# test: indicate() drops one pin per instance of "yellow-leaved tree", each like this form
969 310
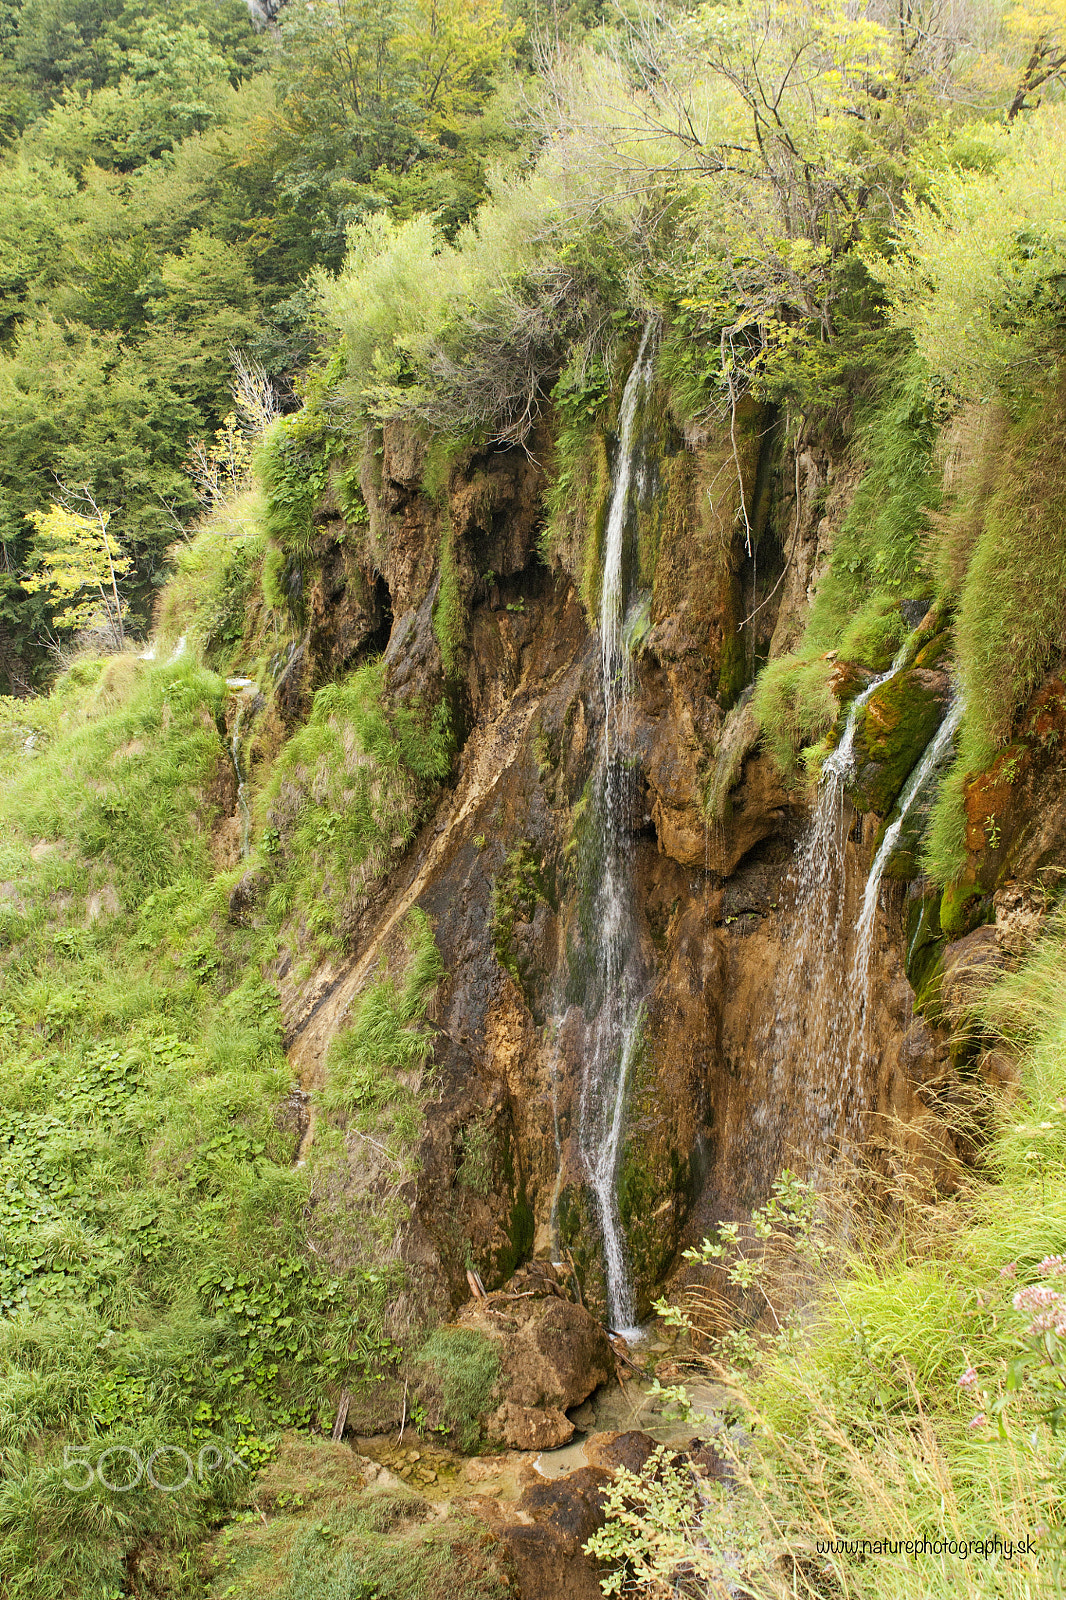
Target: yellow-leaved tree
79 562
1039 28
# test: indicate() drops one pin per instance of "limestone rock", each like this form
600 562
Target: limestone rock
900 719
552 1353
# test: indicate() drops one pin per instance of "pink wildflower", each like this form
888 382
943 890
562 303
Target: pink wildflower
1052 1267
979 1420
1035 1298
1010 1270
969 1378
1050 1322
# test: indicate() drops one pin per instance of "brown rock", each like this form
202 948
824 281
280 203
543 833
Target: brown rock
970 965
614 1450
553 1354
545 1541
922 1053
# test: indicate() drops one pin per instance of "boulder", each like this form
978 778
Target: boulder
900 719
553 1354
546 1539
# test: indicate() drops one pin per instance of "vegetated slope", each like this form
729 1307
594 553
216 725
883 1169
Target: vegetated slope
171 1277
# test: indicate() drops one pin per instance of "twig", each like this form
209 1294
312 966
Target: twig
403 1413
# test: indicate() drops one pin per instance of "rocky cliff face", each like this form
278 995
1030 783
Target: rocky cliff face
503 864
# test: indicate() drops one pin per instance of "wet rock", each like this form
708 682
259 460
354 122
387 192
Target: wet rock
923 1053
899 720
552 1523
757 808
613 1450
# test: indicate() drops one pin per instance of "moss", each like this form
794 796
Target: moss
578 1229
520 1233
1010 619
897 724
516 893
960 906
925 945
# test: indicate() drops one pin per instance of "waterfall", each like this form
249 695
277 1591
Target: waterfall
811 1039
615 1029
864 928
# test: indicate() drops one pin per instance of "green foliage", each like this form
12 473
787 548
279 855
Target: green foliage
465 1368
292 465
668 1525
879 558
1009 625
80 564
375 1064
154 1285
216 576
794 705
345 797
977 276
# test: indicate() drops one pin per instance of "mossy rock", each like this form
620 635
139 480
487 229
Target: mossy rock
654 1184
962 908
925 947
579 1234
934 653
900 719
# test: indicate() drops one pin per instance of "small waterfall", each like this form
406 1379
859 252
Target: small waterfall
614 1032
935 751
810 1045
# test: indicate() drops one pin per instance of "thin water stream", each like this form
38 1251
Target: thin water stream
935 751
616 981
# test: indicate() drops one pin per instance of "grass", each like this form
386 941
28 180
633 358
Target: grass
462 1370
155 1279
346 794
309 1532
854 1422
217 574
879 558
375 1064
153 1273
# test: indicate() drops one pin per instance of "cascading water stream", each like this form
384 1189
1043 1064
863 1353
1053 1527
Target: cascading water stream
811 1041
615 1029
935 751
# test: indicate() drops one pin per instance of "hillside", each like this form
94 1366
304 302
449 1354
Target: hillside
534 804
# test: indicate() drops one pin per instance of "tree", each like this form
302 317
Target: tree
1041 26
79 564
